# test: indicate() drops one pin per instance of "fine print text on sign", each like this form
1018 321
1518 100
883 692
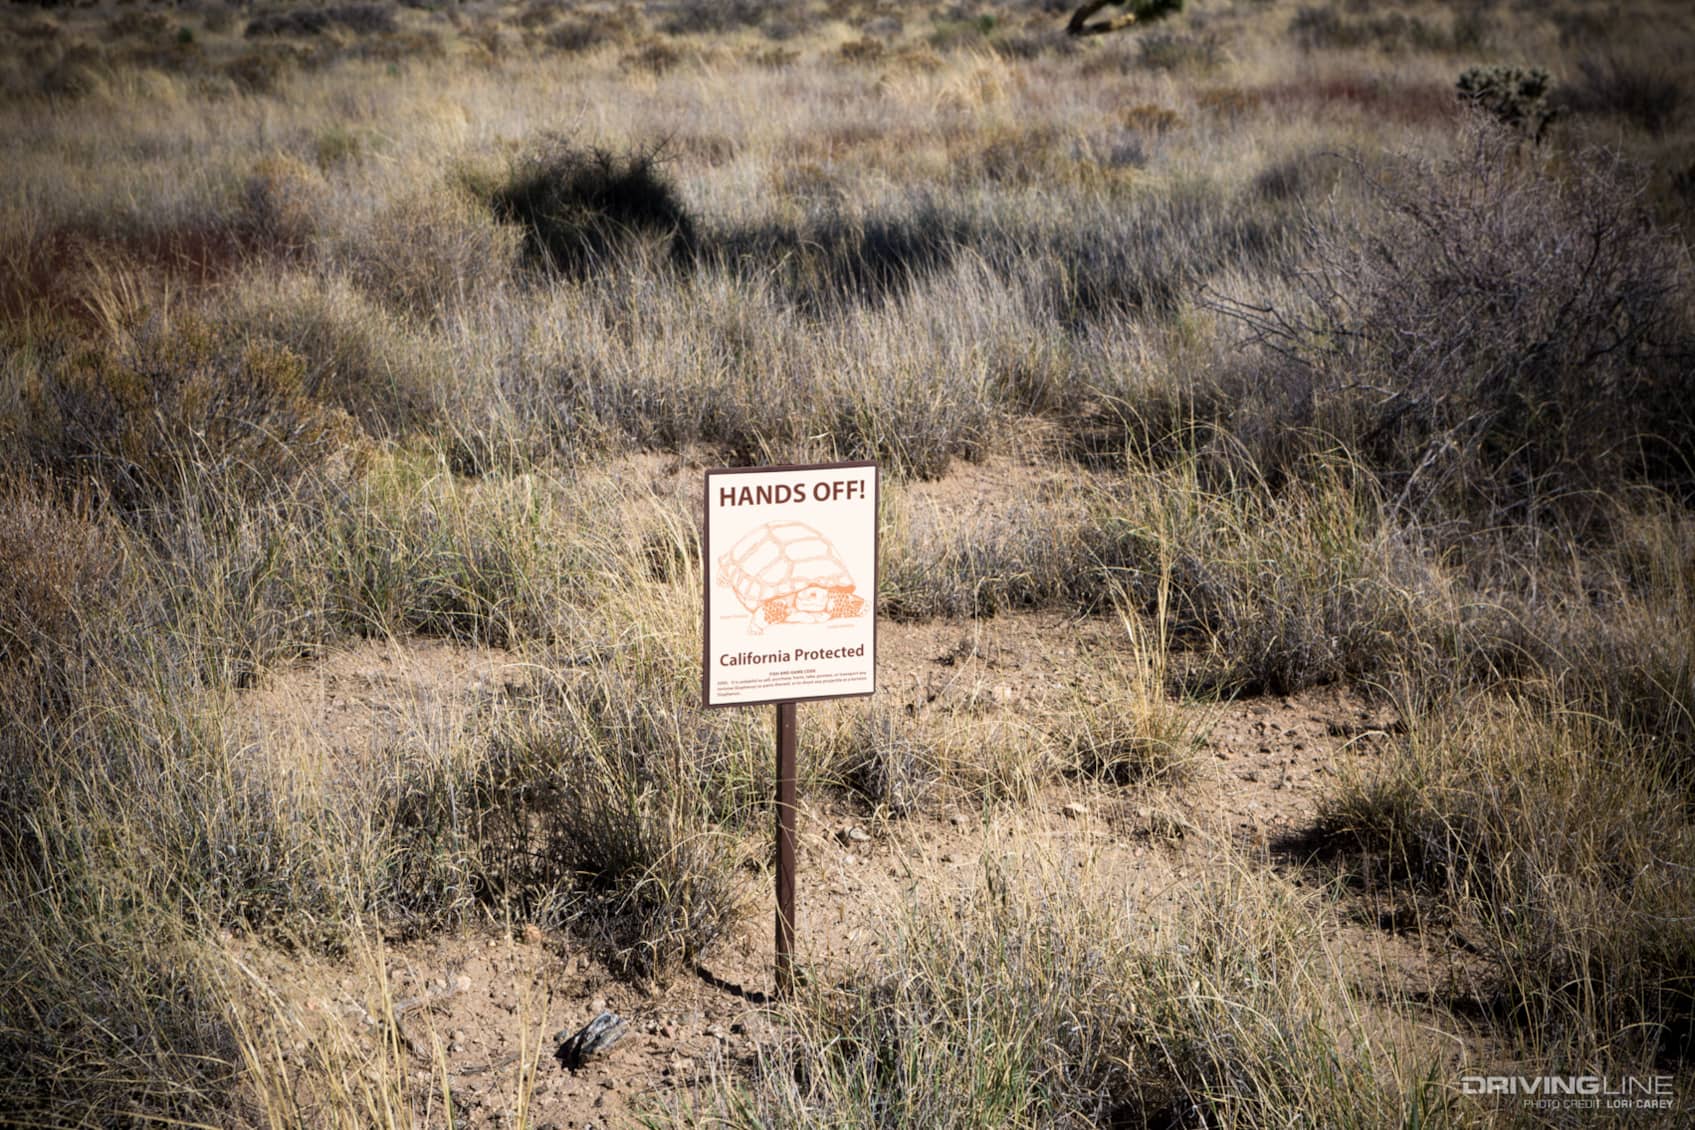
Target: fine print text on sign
791 583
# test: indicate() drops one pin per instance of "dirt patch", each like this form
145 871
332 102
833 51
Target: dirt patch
508 996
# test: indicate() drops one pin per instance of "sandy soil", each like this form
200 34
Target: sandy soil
505 996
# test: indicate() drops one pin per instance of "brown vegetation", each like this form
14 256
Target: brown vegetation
1277 347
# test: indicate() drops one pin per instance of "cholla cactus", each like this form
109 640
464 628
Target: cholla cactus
1141 11
1515 97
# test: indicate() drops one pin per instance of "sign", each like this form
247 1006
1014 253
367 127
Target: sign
790 564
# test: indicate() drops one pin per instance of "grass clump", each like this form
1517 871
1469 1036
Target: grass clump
1127 729
430 253
625 783
579 208
1644 95
111 1016
354 354
1036 999
1554 845
1266 592
888 762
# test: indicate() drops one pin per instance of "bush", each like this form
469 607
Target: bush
578 209
61 575
702 17
279 209
362 18
354 354
1034 999
145 420
1497 341
262 71
576 36
1514 97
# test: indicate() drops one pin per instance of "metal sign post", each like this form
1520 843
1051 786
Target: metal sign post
785 848
790 562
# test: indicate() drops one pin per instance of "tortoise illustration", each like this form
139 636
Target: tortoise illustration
788 573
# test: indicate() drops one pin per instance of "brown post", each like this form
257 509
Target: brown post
785 848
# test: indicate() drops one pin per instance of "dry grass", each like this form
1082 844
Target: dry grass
323 324
1227 1012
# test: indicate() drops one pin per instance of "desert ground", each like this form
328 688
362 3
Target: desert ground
1285 415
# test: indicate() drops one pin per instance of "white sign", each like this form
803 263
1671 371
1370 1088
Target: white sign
790 562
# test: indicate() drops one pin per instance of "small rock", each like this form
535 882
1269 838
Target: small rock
532 934
853 835
715 1031
1074 810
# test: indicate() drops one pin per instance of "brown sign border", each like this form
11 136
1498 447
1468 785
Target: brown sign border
706 577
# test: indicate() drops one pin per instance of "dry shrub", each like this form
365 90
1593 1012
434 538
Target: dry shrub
576 36
61 572
704 17
656 56
417 554
1499 338
1392 32
262 70
862 50
142 420
1412 101
888 762
1269 594
1230 102
577 208
57 568
141 25
1301 176
80 71
358 18
620 789
1179 52
108 1010
1038 999
1149 117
